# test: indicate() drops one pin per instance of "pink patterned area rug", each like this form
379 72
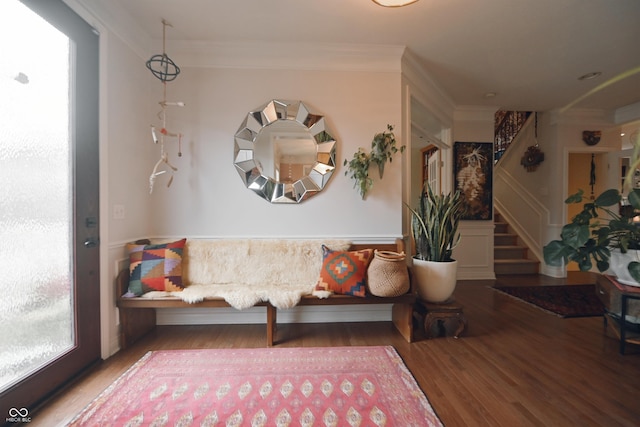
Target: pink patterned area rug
329 386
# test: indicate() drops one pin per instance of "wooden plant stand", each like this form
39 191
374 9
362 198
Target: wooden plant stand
618 297
443 319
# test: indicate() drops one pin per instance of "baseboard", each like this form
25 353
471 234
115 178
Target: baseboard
470 274
257 315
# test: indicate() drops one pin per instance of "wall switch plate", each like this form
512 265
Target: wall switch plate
118 211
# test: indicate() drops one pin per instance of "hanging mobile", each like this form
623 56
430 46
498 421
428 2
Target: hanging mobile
592 175
165 70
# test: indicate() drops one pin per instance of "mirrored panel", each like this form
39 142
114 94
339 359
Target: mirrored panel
283 152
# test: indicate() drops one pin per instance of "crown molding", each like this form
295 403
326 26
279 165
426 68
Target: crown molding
628 113
475 113
579 116
425 88
260 55
111 16
305 56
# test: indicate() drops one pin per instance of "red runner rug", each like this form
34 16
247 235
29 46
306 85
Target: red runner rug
563 300
332 386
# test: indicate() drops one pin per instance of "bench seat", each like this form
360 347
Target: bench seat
138 314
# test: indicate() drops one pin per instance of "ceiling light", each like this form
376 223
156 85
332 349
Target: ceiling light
394 3
490 95
590 76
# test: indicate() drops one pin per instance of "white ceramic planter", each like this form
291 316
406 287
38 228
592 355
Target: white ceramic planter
618 266
435 281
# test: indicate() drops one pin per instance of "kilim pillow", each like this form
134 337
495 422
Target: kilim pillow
155 267
344 272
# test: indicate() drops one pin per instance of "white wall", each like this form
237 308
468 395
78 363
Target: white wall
565 131
208 197
125 151
475 250
130 150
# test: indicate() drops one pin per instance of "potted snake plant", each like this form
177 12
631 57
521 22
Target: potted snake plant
434 224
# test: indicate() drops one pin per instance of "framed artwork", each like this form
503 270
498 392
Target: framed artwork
473 176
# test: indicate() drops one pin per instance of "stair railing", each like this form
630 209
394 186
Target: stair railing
507 126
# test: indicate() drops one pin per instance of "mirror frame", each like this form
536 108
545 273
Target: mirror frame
256 124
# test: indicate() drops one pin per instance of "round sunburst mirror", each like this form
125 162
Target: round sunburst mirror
283 152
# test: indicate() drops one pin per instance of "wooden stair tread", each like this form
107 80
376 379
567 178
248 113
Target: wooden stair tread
516 261
510 256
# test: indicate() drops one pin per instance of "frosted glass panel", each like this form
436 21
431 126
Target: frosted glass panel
36 309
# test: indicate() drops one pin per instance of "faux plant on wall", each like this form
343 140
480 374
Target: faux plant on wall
358 167
383 147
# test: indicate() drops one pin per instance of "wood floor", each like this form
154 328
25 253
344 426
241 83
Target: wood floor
515 366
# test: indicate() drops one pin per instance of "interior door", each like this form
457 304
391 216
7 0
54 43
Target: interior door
433 166
49 255
586 172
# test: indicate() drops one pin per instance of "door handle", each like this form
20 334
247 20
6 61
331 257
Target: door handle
91 242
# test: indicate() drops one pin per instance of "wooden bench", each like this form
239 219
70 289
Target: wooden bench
138 314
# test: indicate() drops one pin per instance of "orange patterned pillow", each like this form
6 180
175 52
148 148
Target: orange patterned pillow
344 272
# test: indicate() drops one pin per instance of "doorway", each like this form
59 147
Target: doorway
431 167
430 143
587 172
49 225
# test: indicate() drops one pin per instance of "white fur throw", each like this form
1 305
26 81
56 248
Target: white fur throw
246 272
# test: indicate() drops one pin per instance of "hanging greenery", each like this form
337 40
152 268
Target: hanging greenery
383 147
359 170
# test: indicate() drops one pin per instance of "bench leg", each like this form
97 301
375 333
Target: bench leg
402 316
135 323
272 321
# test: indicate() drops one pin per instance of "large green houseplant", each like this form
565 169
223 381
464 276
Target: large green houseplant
603 232
434 224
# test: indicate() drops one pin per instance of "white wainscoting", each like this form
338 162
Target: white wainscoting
257 315
475 251
526 215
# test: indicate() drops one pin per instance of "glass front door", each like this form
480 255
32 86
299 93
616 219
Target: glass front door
48 221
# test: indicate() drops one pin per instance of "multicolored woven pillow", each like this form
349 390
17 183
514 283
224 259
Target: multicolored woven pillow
344 272
155 267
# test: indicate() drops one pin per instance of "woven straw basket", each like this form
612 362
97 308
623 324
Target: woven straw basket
388 275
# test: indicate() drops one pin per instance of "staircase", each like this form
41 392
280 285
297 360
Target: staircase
510 256
506 127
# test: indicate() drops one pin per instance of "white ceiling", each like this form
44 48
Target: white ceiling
529 52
